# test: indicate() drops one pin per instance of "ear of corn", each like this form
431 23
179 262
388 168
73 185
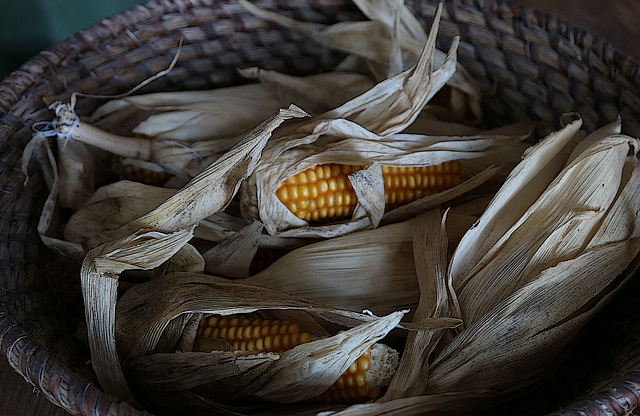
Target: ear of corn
144 172
362 381
324 193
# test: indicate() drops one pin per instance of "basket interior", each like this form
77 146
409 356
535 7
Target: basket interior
529 66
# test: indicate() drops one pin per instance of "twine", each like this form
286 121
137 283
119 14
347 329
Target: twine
63 125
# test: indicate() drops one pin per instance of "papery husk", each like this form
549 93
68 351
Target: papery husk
315 93
558 225
76 171
114 205
185 131
189 116
343 142
155 237
210 191
48 227
356 134
176 371
311 367
437 299
372 270
368 270
510 347
232 258
99 277
528 179
384 43
463 102
139 332
182 159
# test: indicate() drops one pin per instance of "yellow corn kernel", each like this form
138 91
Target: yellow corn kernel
264 335
327 195
278 336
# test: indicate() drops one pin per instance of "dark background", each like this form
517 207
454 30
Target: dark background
29 26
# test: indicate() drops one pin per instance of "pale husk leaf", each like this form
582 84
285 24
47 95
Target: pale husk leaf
521 188
367 270
370 270
116 204
185 370
557 226
430 251
395 14
368 186
402 96
112 206
188 115
376 42
187 259
623 218
211 190
76 173
232 258
49 222
508 347
100 269
315 94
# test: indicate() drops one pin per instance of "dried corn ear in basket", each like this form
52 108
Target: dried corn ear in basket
150 331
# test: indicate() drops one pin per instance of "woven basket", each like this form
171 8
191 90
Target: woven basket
530 66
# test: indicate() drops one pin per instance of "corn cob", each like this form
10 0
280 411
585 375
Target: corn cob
144 172
323 193
359 383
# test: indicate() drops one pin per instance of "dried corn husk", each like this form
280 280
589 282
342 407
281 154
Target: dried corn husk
232 258
100 268
356 134
150 240
210 191
312 367
557 226
369 270
593 253
385 43
49 228
437 299
188 116
343 142
114 205
182 132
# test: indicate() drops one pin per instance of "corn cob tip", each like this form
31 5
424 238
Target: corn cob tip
384 363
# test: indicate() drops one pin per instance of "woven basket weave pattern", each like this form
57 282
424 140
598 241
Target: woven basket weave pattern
530 66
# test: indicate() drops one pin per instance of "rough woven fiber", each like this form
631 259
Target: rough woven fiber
530 66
